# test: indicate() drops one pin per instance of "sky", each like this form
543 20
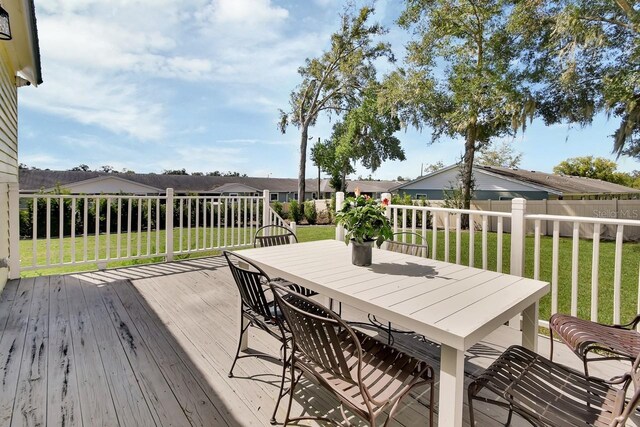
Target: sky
154 85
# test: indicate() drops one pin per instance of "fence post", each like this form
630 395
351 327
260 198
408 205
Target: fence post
14 230
518 227
168 220
294 228
339 203
265 208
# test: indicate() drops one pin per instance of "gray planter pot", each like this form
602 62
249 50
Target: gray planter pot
361 253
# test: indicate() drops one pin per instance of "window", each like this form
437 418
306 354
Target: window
233 194
421 197
273 197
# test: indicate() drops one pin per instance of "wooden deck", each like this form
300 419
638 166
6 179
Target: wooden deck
151 345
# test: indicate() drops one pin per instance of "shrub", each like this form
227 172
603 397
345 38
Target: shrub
278 208
310 212
295 213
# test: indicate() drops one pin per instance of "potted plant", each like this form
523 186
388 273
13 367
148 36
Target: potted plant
365 222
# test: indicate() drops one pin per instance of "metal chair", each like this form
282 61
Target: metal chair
273 235
259 311
400 243
364 374
410 243
276 235
618 342
548 394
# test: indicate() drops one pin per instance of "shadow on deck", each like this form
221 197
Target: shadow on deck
152 345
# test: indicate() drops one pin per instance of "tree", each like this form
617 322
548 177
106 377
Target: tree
503 155
82 167
333 82
434 167
590 51
462 75
596 168
106 169
182 171
366 134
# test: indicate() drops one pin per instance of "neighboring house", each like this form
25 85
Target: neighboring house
280 189
19 66
497 183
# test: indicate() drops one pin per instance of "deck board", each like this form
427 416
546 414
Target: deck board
152 345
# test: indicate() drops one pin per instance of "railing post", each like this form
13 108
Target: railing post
518 227
294 228
14 230
339 203
518 207
265 211
169 225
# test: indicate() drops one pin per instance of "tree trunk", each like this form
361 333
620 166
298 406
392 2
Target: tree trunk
303 162
467 170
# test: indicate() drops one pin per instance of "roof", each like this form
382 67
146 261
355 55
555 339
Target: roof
24 46
32 180
552 183
565 184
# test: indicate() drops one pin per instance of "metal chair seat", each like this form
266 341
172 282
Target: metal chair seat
584 337
548 394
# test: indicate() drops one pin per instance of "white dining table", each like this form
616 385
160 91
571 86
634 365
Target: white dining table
454 305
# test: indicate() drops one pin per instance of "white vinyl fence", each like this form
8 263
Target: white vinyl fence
66 230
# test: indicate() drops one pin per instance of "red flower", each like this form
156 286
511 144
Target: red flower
385 202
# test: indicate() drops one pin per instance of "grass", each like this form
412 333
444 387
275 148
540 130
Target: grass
630 262
148 244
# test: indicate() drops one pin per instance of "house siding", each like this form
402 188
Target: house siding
8 150
478 194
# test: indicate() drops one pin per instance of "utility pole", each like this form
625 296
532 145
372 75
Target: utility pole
318 198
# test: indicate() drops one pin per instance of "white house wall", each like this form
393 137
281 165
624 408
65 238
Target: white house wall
483 182
8 150
109 186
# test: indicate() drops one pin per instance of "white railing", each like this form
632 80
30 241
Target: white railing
527 253
595 285
67 230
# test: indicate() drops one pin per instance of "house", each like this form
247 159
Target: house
281 189
498 183
19 66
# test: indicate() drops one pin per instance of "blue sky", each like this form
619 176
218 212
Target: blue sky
149 85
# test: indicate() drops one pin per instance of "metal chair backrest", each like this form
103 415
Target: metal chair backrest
274 235
410 243
251 282
319 334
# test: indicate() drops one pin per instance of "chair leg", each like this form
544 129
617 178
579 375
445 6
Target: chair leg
291 389
472 422
584 362
281 391
235 359
551 344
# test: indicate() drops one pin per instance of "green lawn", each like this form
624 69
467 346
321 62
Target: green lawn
630 264
305 234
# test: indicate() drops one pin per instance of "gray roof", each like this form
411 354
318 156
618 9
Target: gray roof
562 183
34 180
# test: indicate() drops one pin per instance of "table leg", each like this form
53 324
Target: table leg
530 327
450 402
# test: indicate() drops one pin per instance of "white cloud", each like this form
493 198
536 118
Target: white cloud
98 100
